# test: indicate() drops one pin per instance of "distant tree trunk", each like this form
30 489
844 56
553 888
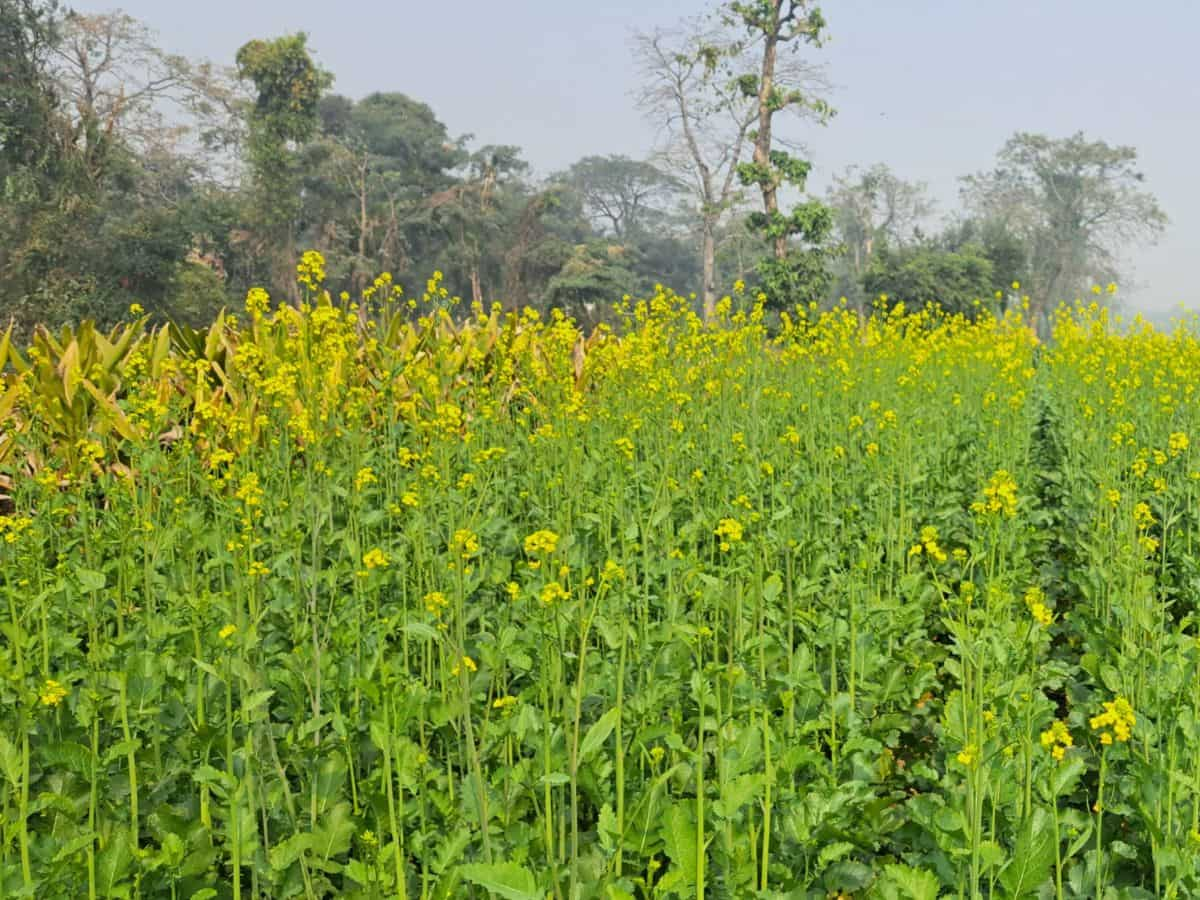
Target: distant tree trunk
762 140
360 273
709 269
476 285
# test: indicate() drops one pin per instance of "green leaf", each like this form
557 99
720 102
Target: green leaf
333 833
507 880
313 725
69 755
1066 774
908 883
122 748
359 872
113 863
255 700
991 854
10 762
738 791
772 588
1032 858
833 852
450 849
379 735
420 629
207 668
73 846
598 733
678 832
90 580
606 828
208 775
289 850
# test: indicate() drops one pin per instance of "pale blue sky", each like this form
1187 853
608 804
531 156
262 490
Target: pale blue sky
931 88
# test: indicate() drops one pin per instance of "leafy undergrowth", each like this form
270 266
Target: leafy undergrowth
333 601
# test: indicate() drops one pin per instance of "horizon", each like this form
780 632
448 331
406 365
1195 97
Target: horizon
557 80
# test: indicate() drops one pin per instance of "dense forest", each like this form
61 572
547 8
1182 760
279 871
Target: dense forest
135 176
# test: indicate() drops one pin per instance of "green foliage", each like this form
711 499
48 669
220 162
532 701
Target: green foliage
589 279
995 241
846 608
27 101
802 273
623 196
958 282
785 19
1076 205
289 86
797 269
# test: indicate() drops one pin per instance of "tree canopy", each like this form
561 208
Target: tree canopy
131 174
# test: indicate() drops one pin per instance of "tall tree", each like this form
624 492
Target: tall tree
997 242
621 196
546 226
28 35
113 78
694 89
369 178
30 161
797 268
101 194
1076 203
874 208
470 212
288 85
925 273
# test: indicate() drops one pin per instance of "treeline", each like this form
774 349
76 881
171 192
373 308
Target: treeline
132 175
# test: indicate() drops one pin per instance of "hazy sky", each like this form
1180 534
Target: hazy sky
931 88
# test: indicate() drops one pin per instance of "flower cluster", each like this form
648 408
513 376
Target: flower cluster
543 542
928 544
1035 602
464 543
729 531
52 693
375 559
1057 739
1116 721
553 591
999 496
311 270
12 526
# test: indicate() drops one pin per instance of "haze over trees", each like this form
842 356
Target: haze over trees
133 175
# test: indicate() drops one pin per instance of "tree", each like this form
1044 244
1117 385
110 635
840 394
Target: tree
545 228
873 208
621 196
470 211
113 78
28 33
591 280
1076 204
792 273
368 180
695 89
288 85
30 161
101 196
998 244
916 275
